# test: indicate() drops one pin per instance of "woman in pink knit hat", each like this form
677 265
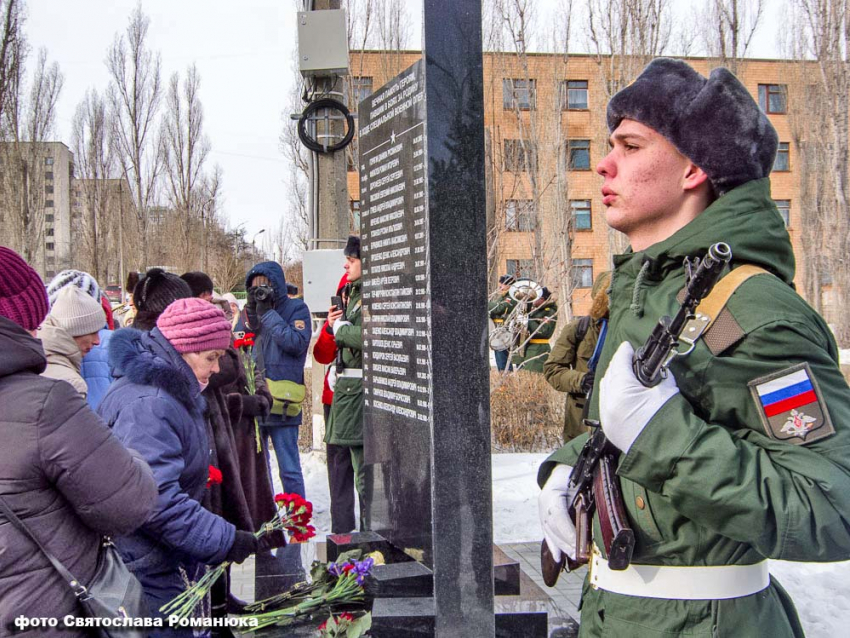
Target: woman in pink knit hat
156 408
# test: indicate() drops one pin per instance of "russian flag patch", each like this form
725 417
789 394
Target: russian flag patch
791 407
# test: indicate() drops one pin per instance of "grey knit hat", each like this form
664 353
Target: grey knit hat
78 313
714 122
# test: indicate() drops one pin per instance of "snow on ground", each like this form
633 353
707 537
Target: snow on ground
821 592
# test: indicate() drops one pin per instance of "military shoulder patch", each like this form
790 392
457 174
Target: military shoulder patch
299 324
791 406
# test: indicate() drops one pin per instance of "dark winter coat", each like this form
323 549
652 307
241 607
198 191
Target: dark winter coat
65 475
283 336
256 481
95 370
156 407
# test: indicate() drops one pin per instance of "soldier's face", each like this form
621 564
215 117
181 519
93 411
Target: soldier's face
352 267
645 183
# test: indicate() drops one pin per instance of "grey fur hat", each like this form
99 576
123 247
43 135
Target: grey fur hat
714 122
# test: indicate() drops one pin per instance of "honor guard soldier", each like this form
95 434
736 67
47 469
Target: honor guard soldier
741 451
498 309
533 349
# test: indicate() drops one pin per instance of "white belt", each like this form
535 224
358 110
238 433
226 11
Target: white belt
679 583
351 373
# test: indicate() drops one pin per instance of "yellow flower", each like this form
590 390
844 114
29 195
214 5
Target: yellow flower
378 557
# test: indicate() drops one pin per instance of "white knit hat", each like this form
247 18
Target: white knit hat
78 313
78 278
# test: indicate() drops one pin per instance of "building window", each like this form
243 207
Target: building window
48 161
49 246
48 175
48 190
48 203
573 95
48 218
519 94
581 214
783 158
520 156
361 88
772 98
582 273
51 274
519 267
354 206
784 208
578 155
519 215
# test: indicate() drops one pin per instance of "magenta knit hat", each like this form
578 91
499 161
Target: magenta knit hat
23 297
194 325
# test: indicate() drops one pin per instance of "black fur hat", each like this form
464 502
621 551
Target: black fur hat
507 280
153 294
352 248
714 122
199 282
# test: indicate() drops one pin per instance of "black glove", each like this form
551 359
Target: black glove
251 311
244 544
255 405
587 381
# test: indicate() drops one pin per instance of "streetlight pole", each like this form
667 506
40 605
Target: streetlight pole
254 239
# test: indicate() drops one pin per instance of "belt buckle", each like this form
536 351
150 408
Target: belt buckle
593 566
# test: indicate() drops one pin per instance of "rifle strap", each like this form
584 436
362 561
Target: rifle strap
713 322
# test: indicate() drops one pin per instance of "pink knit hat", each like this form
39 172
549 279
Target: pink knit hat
23 297
194 325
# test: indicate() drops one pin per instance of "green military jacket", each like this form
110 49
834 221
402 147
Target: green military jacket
541 326
500 308
565 368
345 424
705 483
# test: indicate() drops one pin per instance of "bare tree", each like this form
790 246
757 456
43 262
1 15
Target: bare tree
94 156
732 25
184 151
134 98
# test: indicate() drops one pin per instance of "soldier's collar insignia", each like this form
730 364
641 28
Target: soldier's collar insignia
791 406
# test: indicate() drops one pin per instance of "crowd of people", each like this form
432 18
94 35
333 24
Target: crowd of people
117 420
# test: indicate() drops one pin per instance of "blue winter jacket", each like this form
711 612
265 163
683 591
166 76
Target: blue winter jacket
283 335
155 407
95 370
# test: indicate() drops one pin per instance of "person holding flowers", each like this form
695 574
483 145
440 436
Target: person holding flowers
156 408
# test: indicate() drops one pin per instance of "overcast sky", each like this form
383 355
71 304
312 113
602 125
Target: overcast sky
243 52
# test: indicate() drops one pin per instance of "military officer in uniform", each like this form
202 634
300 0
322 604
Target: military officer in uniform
566 368
498 309
742 453
345 423
532 352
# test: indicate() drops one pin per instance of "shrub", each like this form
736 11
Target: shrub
526 413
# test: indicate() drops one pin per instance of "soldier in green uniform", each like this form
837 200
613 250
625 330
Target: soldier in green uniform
743 452
566 368
498 309
345 423
542 319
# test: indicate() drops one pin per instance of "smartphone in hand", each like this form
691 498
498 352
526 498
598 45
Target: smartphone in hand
336 302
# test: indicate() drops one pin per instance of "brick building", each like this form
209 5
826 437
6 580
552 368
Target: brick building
545 132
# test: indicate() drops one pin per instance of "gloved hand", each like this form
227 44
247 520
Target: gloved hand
255 405
244 544
625 405
558 528
339 323
332 376
587 381
251 311
263 306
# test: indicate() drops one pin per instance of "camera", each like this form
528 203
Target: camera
264 293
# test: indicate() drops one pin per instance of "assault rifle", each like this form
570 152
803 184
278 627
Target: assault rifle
593 483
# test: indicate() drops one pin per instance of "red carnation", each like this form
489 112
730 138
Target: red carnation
215 476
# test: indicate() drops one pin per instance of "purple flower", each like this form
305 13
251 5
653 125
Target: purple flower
362 569
335 570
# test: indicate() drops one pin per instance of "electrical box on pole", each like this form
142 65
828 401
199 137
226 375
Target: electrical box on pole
322 43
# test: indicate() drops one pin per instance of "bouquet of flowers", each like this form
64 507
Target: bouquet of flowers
293 516
336 584
246 344
345 626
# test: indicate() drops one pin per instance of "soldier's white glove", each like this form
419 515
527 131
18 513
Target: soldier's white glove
339 323
558 528
332 376
625 405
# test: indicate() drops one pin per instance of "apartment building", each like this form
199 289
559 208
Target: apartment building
545 132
